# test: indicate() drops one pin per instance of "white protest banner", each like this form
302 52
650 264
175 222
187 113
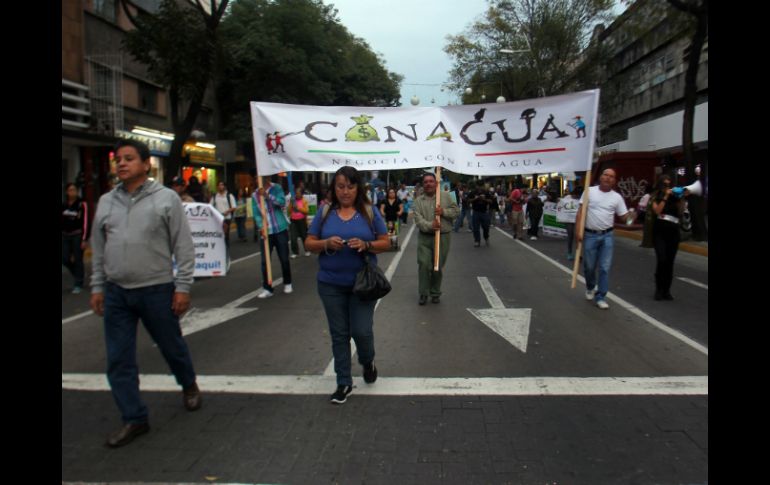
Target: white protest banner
542 135
208 239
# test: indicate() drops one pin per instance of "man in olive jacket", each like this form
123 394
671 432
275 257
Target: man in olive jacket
425 212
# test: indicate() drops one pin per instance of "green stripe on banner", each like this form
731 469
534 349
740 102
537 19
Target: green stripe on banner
549 220
354 153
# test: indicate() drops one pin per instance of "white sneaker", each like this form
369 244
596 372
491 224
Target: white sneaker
264 294
602 304
590 294
293 256
307 253
287 289
533 238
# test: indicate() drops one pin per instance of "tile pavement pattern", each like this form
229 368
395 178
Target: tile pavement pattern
241 438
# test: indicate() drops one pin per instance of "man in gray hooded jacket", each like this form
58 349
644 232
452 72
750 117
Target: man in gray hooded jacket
137 228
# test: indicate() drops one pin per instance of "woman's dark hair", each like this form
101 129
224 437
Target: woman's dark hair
141 148
659 185
66 188
354 177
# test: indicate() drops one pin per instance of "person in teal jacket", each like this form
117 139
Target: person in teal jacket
277 230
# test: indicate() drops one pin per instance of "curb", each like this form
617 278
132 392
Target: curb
683 246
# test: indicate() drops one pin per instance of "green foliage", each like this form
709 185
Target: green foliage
557 35
297 52
172 44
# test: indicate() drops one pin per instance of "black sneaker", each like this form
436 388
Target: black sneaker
370 373
423 299
341 394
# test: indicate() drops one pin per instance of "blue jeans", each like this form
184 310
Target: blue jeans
348 317
240 224
72 256
459 221
480 221
280 242
122 310
597 255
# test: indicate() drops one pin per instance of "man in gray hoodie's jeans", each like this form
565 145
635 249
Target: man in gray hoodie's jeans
137 227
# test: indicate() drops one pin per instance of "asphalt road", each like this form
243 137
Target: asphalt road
598 396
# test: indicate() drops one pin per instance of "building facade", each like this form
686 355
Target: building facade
642 99
107 95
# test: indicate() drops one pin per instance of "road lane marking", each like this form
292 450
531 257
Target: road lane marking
329 371
490 292
198 319
75 317
510 323
246 257
623 303
416 386
693 282
89 312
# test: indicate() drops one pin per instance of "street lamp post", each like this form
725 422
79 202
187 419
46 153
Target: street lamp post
501 99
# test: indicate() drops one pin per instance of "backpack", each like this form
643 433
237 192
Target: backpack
227 197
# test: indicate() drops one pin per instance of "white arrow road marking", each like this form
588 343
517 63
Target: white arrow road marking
253 294
417 386
628 306
388 274
693 282
510 323
197 319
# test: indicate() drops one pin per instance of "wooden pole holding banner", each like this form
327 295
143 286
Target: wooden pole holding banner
266 249
580 229
437 243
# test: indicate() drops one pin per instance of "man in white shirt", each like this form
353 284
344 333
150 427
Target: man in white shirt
603 205
224 202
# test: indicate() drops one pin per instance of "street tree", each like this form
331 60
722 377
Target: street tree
178 44
697 11
552 44
297 52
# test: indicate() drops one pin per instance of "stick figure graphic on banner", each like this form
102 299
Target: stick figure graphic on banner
579 126
278 142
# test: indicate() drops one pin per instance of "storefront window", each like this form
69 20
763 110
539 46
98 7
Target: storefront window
155 171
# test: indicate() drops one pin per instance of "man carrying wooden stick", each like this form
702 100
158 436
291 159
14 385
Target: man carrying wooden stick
278 233
603 205
427 215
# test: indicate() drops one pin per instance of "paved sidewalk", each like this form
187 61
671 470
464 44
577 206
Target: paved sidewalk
690 246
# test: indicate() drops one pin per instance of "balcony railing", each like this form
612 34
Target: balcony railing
75 105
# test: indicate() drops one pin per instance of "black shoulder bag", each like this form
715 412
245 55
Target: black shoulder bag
371 283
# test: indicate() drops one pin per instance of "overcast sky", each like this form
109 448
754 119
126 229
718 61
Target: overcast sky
411 35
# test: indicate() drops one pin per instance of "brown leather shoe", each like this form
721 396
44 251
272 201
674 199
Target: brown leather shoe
126 434
191 396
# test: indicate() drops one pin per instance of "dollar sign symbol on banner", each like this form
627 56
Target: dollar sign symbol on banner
362 131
